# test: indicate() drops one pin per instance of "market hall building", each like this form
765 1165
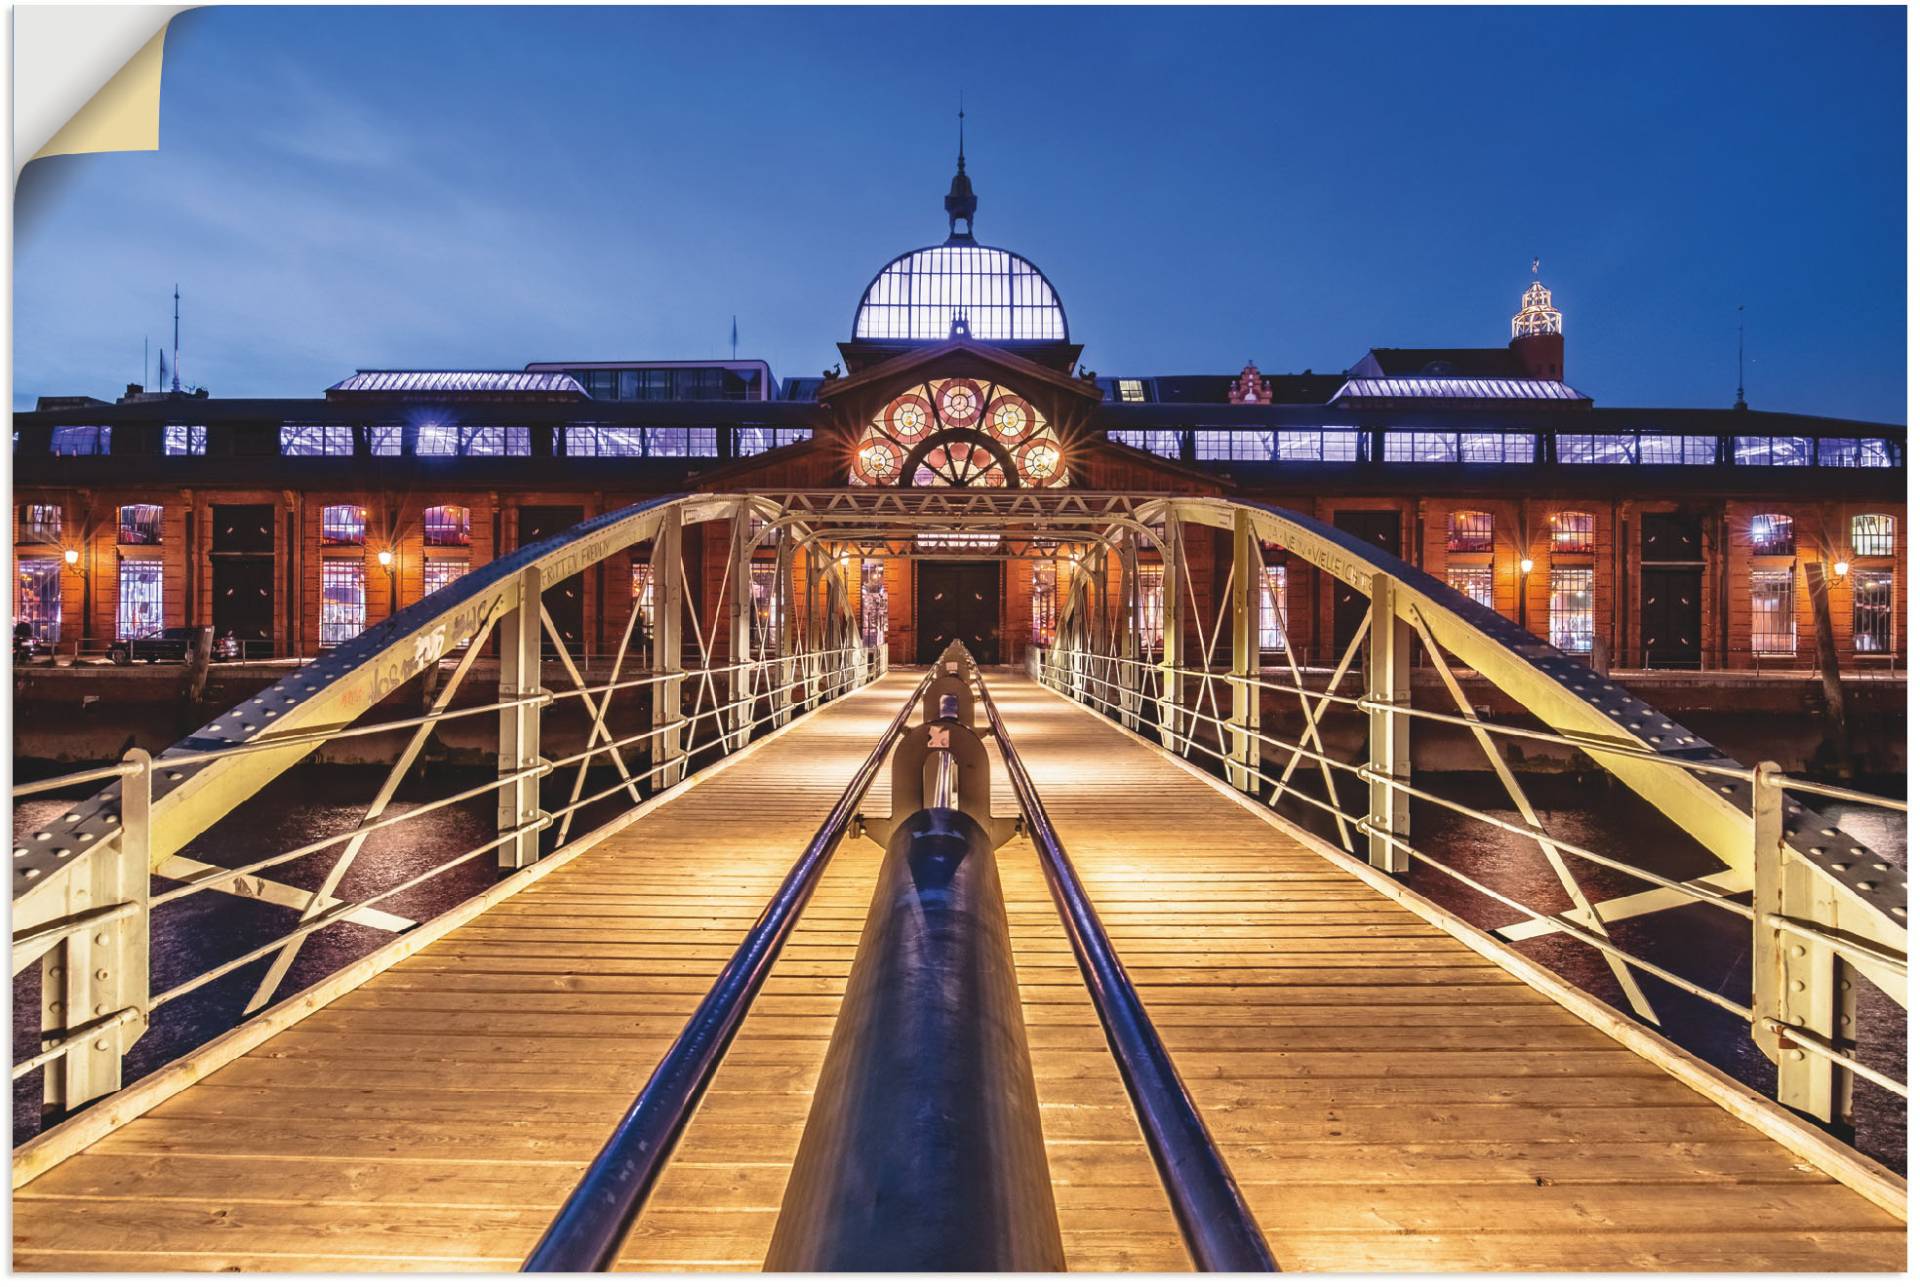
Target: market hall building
1632 537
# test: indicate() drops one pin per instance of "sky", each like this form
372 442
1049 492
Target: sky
484 187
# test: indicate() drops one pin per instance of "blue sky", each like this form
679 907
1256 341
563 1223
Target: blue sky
340 188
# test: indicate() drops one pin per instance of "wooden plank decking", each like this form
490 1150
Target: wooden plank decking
1387 1097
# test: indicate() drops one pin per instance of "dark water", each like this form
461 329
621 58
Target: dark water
1701 944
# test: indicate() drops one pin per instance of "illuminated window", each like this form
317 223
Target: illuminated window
1273 607
1046 601
1872 535
1873 610
447 525
142 597
1475 583
343 600
140 524
82 440
1678 449
959 433
1434 448
683 442
1773 451
1635 449
592 440
473 440
441 573
874 620
1772 534
1570 610
36 598
1857 453
184 440
1133 390
1152 584
641 588
751 440
1161 442
1470 531
316 440
42 525
343 525
1775 631
1570 532
385 440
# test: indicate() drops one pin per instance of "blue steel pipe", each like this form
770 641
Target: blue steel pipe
591 1226
1220 1231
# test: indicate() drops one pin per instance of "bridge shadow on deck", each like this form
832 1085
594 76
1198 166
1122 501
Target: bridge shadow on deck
1387 1098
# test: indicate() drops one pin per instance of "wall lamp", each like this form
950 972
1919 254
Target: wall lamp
1526 566
1840 567
386 559
73 558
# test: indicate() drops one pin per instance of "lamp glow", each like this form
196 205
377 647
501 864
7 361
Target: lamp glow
1526 565
1840 567
386 558
73 558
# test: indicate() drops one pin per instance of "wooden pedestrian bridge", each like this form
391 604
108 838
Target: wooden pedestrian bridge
1110 962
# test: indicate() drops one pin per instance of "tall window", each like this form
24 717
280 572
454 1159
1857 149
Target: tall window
343 600
448 525
1153 590
1475 583
874 616
1772 534
36 598
441 573
343 525
184 440
316 440
140 524
1775 631
1470 531
141 599
41 525
1570 610
1873 536
642 590
1046 601
1873 610
1571 532
1273 607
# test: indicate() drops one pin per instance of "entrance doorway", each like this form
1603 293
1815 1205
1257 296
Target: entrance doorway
1380 527
957 601
1671 568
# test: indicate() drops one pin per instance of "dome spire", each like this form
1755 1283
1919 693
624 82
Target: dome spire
1537 315
961 203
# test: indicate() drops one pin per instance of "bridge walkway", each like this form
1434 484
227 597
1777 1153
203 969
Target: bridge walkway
1387 1097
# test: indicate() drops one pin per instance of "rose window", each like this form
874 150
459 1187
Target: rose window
959 433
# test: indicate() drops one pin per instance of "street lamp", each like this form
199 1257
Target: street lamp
73 558
1840 567
393 582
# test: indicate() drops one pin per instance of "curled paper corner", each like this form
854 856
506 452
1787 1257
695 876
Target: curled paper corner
123 115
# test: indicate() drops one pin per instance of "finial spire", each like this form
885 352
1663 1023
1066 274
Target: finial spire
1740 375
1536 265
961 203
963 131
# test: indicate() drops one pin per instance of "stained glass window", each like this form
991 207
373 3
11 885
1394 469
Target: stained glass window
959 433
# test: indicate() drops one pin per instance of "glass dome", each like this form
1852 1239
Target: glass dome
1001 296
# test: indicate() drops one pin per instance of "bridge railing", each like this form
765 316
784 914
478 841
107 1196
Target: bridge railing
95 885
1826 912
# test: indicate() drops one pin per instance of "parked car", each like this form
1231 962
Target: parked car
173 644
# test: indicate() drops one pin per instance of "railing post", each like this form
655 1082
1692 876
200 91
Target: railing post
1243 748
1797 982
783 616
816 637
1130 677
519 800
740 688
669 589
1172 643
1389 735
96 973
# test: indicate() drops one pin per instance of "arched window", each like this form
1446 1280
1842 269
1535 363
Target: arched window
959 433
1570 532
1772 534
343 525
1873 536
1470 531
447 525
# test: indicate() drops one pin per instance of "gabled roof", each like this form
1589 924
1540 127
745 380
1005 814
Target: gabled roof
1494 363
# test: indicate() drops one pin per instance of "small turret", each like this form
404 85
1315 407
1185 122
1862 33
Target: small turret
961 203
1538 341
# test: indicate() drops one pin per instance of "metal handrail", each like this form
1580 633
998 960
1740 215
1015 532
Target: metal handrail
1219 1230
587 1232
